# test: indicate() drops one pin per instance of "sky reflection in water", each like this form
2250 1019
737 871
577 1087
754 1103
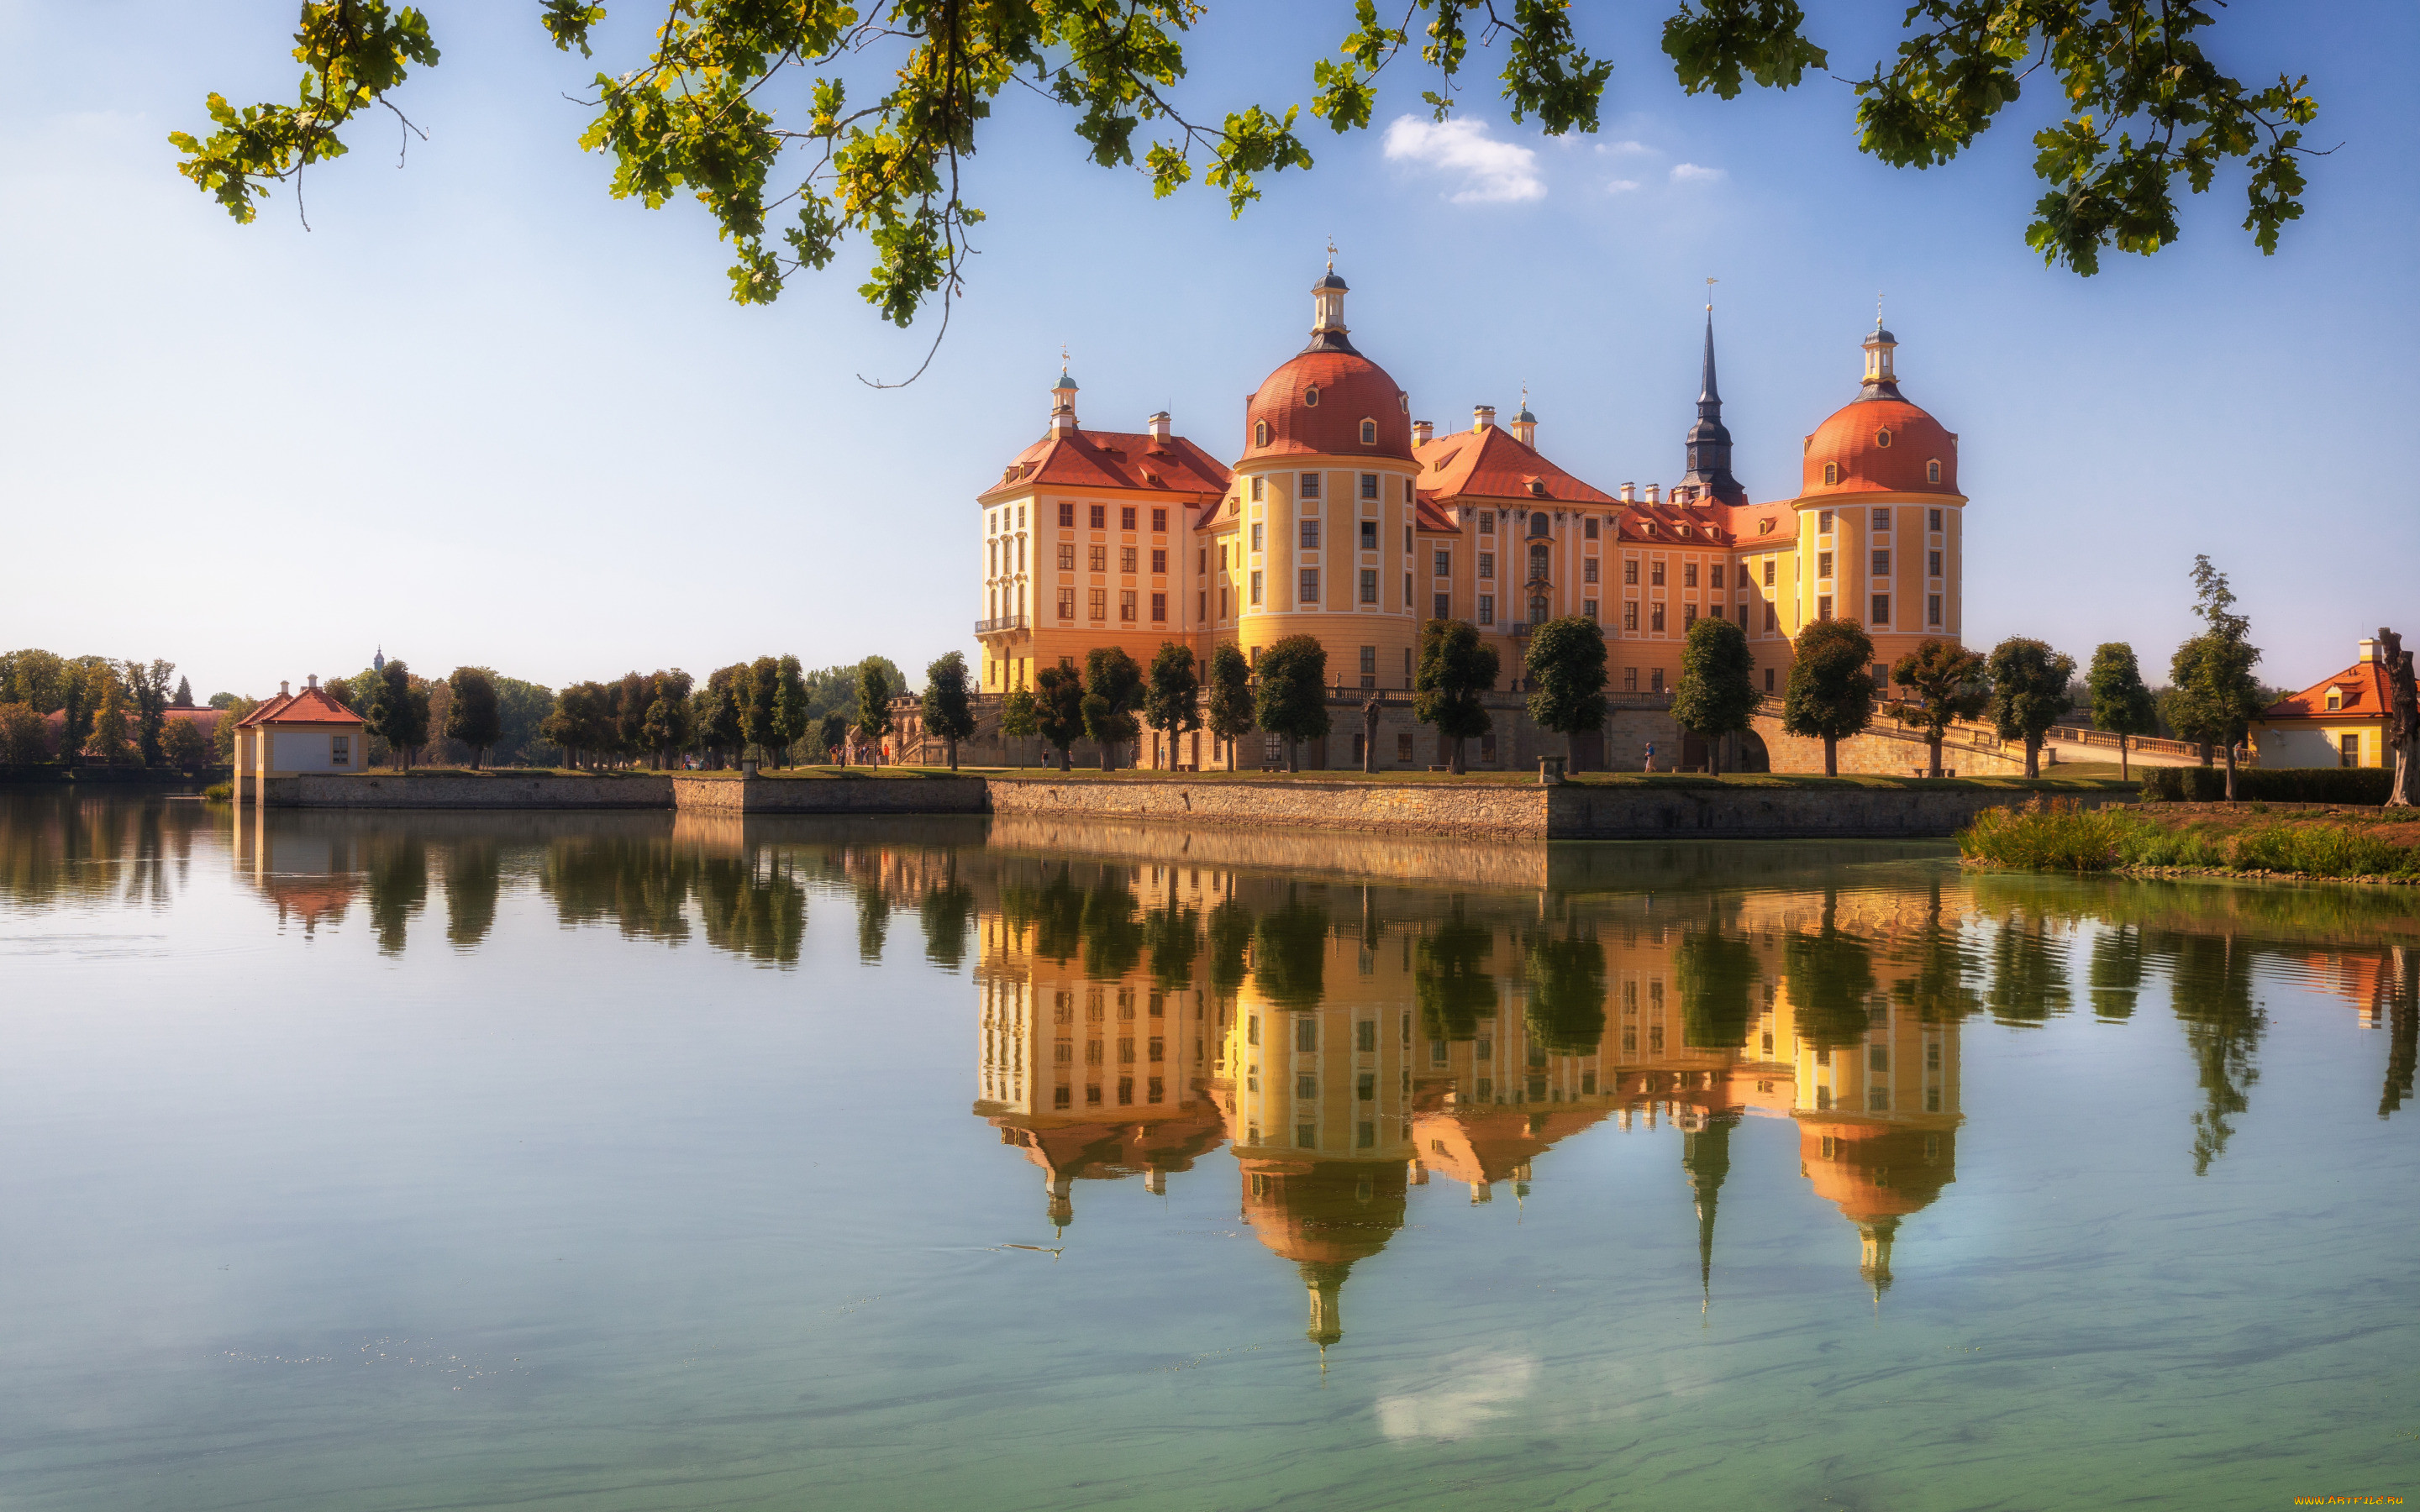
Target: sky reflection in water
385 1160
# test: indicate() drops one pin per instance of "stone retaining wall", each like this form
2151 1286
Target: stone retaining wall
828 796
1419 808
637 790
1580 813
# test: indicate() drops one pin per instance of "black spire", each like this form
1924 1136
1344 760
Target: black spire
1710 443
1706 1155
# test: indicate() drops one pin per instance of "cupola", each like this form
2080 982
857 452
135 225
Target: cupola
1063 405
1525 424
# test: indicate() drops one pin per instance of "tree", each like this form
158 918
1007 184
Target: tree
1018 716
398 711
1231 698
1113 690
758 695
832 732
1831 691
1293 696
1945 683
873 690
146 685
2122 704
2028 693
25 736
1059 708
793 705
1565 670
1171 704
948 710
37 679
1455 667
886 102
1716 696
2216 696
472 716
184 698
232 713
182 744
78 696
109 745
582 722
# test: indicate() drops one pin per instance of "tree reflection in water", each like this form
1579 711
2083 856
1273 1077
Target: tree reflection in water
1831 975
1453 992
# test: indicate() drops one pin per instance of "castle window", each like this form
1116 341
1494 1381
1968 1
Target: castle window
1823 564
1486 522
1310 488
1587 607
1656 618
1486 565
1369 589
1881 610
1831 472
1444 563
1259 438
1630 622
1932 474
1126 606
1369 535
1066 514
1127 519
1588 570
1067 603
1256 536
1487 608
1537 609
1311 397
1256 590
1538 525
1764 526
1773 623
1688 615
1159 609
1159 519
1100 604
1309 588
1823 607
1882 438
2335 700
1369 485
1823 522
1097 558
1718 575
1882 564
1311 535
1160 560
1587 531
1655 573
1260 489
1768 572
1127 557
1630 571
1629 684
1443 607
1655 685
1407 490
1932 609
1537 558
1882 520
1369 433
1688 574
1768 688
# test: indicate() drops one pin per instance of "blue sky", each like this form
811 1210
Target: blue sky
481 412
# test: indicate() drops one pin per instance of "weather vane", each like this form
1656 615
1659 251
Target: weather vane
1331 254
1710 296
1878 309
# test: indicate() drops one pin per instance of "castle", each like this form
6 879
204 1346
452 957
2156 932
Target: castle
1347 520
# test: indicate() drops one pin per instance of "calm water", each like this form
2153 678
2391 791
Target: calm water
623 1161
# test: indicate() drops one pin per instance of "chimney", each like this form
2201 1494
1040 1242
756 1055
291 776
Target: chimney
1482 416
1423 432
2368 651
1158 424
312 681
1655 494
1630 493
285 691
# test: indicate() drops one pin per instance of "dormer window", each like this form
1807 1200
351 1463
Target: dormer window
1882 438
1764 526
1311 397
1831 472
2335 700
1933 471
1369 433
1260 433
1537 488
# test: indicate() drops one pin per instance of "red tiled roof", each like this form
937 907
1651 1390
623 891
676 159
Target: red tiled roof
1352 389
1853 437
1494 465
1114 460
2362 690
311 706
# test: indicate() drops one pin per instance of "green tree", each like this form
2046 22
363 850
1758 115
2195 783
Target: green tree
398 712
1831 691
108 743
1290 954
833 732
1713 973
1231 698
949 707
1456 669
1945 683
874 689
2216 695
184 698
79 696
473 716
1830 975
714 712
522 707
147 688
758 696
184 744
1565 671
2122 704
794 705
1716 695
582 722
233 713
2028 693
1171 703
1019 715
1566 983
37 679
25 736
1059 708
1452 991
1113 690
1292 703
889 99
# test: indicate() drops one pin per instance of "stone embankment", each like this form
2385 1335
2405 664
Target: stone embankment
1465 810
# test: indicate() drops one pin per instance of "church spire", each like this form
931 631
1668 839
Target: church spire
1706 1155
1710 442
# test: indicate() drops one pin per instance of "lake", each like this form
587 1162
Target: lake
637 1161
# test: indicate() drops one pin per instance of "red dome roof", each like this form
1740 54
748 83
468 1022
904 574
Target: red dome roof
1351 389
1853 437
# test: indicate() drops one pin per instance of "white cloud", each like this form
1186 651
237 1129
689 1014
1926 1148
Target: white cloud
1491 171
1621 186
1472 1390
1690 173
1625 149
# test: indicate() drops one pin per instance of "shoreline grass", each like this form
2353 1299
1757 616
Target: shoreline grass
2060 835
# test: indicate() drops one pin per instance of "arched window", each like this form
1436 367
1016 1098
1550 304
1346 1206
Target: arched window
1831 472
1260 433
1538 523
1882 438
1537 609
1311 397
1933 471
1369 433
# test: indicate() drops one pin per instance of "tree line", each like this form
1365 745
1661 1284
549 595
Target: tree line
110 712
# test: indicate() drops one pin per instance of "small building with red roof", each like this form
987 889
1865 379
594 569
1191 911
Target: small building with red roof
2337 721
297 732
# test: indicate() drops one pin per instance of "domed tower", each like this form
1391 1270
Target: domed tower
1324 491
1879 516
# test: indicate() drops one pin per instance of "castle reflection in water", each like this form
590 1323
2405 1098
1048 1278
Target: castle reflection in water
1356 1016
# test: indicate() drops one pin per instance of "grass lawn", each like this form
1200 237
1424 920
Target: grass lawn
2226 838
